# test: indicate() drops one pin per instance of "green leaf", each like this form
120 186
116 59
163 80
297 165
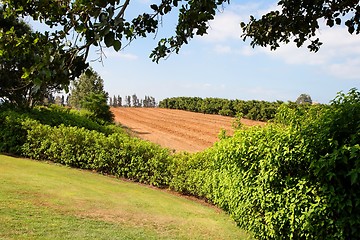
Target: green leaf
353 176
26 73
109 39
154 7
330 22
338 21
117 45
88 72
37 81
103 17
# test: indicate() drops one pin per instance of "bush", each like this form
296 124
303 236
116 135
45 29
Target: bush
294 179
12 135
116 154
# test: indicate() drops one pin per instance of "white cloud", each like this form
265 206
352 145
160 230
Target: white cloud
339 56
350 69
222 49
226 25
247 51
225 28
290 54
113 54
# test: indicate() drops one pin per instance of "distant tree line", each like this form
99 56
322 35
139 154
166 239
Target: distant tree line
254 109
132 101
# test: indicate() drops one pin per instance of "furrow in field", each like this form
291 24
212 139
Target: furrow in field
176 129
163 132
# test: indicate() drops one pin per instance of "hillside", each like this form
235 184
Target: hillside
176 129
49 201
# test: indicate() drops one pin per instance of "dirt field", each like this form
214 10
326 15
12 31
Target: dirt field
175 129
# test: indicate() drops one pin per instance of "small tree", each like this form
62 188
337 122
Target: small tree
88 82
115 103
119 101
127 101
135 100
88 93
97 104
304 99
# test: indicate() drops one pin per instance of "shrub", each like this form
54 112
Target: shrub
116 154
12 135
294 179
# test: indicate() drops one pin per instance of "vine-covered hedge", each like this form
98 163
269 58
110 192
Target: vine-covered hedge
296 178
255 110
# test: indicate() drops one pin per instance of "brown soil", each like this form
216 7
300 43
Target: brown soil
176 129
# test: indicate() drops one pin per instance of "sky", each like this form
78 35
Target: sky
222 65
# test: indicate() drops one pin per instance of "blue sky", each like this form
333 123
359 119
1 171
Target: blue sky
222 65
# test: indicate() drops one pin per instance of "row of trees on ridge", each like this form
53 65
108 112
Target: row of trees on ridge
132 101
252 109
256 110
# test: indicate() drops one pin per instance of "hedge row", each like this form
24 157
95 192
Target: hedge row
55 115
255 110
297 178
115 154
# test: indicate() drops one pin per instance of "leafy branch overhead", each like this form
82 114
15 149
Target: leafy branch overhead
299 21
94 22
39 61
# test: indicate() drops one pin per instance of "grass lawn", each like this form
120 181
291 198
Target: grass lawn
47 201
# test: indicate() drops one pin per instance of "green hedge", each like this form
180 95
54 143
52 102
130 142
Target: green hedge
294 179
115 154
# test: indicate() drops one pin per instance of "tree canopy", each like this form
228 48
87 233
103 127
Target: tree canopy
88 93
30 64
55 57
88 82
298 21
94 23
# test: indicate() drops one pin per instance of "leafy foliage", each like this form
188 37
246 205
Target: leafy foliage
298 21
88 93
116 154
13 135
48 61
89 82
294 179
32 65
97 104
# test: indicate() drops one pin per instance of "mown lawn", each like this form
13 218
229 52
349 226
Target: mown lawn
47 201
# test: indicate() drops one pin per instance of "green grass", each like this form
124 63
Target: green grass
47 201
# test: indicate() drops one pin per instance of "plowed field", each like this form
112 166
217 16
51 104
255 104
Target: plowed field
176 129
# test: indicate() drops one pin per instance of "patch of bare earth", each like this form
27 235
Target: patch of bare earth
176 129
